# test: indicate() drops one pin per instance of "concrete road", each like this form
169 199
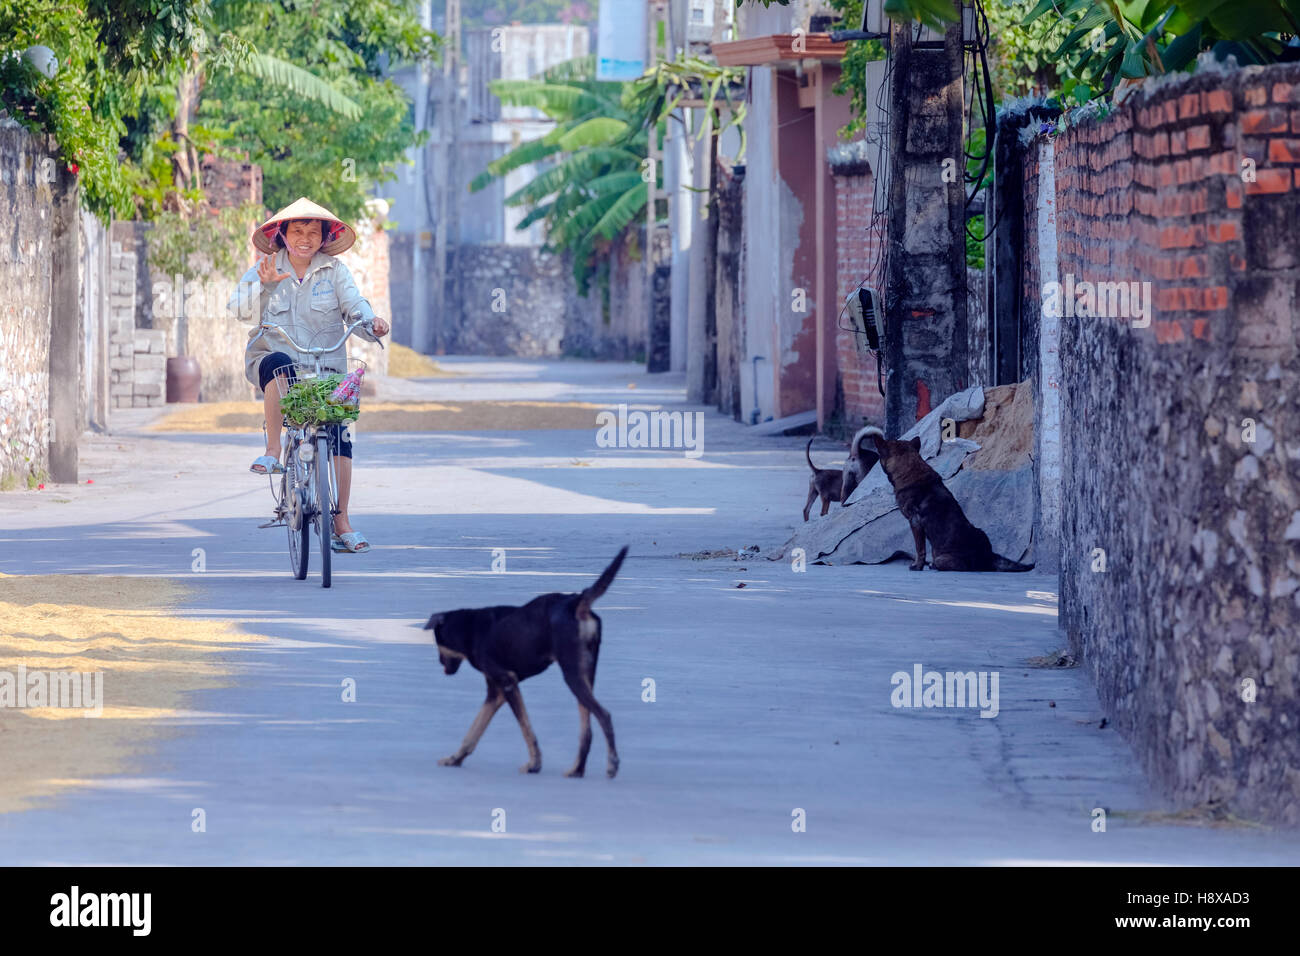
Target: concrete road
770 699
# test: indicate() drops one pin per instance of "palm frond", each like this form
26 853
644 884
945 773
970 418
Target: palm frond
294 79
558 101
598 131
630 205
524 154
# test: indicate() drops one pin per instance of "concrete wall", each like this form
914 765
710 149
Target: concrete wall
766 272
729 302
1180 444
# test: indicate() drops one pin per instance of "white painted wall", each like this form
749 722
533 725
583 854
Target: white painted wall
762 229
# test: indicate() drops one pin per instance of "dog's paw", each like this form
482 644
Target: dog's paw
531 767
575 771
452 761
611 768
916 567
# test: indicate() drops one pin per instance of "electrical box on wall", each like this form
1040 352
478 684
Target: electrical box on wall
863 308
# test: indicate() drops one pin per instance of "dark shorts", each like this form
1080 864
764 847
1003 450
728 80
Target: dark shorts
266 371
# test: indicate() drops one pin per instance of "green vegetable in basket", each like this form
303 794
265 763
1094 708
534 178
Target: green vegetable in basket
307 402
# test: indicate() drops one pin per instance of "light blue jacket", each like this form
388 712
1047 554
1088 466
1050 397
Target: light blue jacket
313 310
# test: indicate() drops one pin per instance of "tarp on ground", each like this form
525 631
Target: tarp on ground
987 467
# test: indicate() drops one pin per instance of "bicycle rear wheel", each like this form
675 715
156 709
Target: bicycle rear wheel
294 514
324 506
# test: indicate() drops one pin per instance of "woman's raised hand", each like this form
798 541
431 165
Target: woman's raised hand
267 273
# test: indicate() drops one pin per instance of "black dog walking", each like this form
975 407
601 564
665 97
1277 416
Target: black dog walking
509 644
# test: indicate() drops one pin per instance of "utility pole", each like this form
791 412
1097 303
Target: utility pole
419 288
925 346
446 228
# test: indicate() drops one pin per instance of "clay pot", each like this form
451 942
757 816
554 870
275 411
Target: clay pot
183 379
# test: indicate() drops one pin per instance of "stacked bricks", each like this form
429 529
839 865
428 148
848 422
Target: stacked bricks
137 358
1181 447
229 183
857 257
121 318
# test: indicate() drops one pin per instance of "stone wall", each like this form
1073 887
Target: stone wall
25 257
1180 578
521 300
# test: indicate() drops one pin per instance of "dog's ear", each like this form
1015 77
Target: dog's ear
916 443
879 442
434 622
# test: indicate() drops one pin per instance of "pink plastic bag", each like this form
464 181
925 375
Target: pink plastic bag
348 390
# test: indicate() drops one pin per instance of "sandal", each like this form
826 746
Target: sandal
266 465
351 541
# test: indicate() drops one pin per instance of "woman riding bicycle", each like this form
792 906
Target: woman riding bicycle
300 285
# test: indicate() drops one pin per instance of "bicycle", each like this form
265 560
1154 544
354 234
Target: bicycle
308 494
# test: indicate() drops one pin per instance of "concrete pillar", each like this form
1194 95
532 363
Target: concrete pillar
701 351
66 348
677 180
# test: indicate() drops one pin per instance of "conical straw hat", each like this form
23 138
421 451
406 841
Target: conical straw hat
339 236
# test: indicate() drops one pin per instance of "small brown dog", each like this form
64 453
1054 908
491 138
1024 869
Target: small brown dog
833 485
934 513
825 482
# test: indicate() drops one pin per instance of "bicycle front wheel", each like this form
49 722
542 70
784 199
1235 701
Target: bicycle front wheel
324 506
295 519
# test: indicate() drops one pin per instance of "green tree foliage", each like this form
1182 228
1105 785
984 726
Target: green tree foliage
306 144
110 52
1110 40
853 67
146 86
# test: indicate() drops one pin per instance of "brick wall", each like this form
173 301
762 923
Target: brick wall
857 256
229 183
1181 446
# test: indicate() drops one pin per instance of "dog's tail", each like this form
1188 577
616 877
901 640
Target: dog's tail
1006 564
860 435
602 584
807 453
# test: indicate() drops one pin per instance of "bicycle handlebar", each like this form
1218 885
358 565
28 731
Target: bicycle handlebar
314 351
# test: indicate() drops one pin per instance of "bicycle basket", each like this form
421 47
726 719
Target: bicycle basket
330 399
